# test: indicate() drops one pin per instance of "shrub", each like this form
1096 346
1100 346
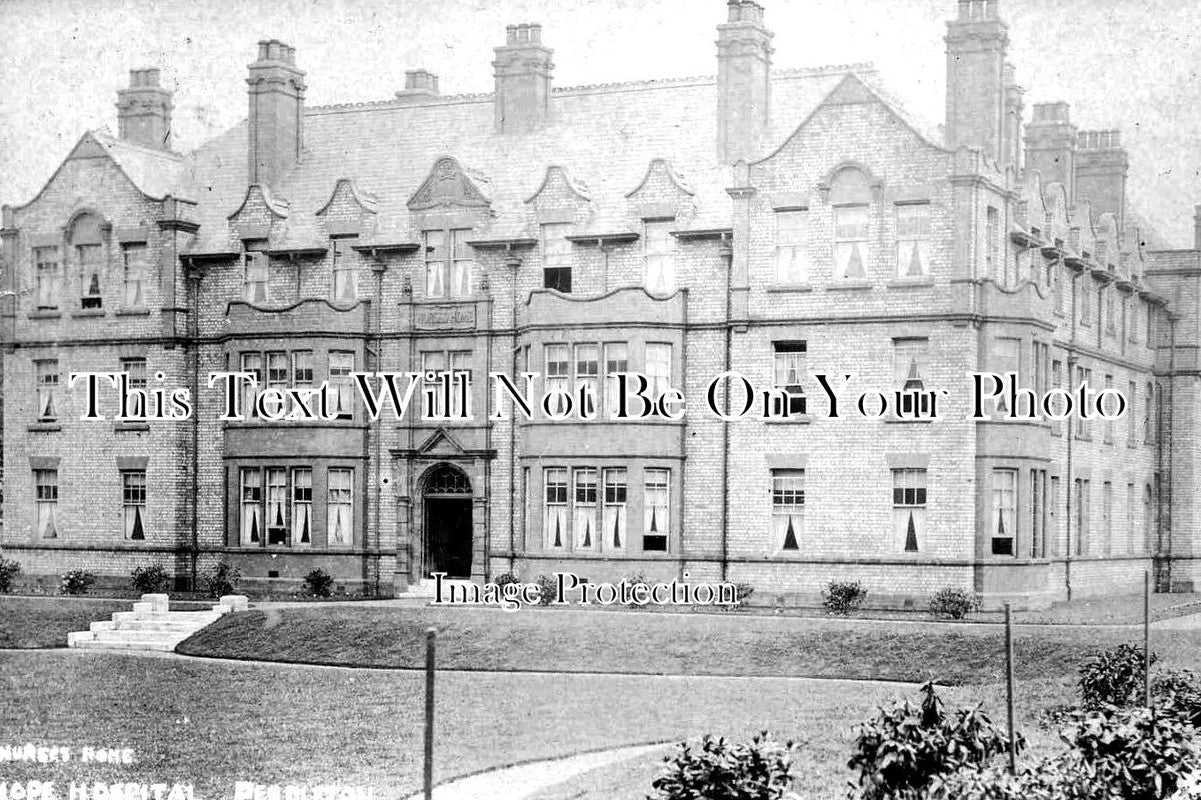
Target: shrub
742 595
902 749
634 580
506 579
319 583
222 579
953 603
548 590
9 570
150 580
77 581
718 770
1113 678
1179 692
843 597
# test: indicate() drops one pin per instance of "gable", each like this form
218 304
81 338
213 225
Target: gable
449 184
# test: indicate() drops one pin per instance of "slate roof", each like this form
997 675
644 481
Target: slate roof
604 136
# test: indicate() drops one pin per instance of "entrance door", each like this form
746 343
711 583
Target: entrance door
447 498
448 533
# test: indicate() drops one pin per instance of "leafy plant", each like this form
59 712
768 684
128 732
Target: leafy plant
77 581
634 580
222 579
548 590
9 570
718 770
1179 692
1113 678
506 579
150 580
953 603
902 749
319 583
843 597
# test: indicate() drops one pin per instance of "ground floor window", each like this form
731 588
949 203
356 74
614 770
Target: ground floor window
585 509
302 506
1004 511
656 505
275 506
339 523
909 507
133 503
46 493
555 511
787 509
614 520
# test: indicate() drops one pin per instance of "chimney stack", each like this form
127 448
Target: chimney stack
523 80
1051 146
276 116
743 82
976 91
1012 156
1197 227
1101 167
144 110
420 84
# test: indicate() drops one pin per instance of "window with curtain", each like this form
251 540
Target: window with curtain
658 367
251 526
617 359
584 516
554 517
790 359
341 364
1003 521
135 368
133 503
913 240
910 359
613 521
909 507
792 259
435 256
339 521
137 273
852 249
279 372
345 270
660 254
46 384
277 505
787 509
47 276
302 507
587 375
556 257
89 257
1007 357
558 375
449 263
253 364
256 280
656 502
302 367
45 482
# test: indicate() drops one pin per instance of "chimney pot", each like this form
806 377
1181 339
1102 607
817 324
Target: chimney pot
276 115
522 70
144 110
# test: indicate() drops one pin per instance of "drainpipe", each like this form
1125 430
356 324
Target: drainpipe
727 257
1164 579
1070 433
378 267
513 261
192 277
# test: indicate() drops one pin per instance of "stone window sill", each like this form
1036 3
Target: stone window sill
88 312
907 283
906 421
847 285
45 427
131 426
795 419
784 288
133 312
45 314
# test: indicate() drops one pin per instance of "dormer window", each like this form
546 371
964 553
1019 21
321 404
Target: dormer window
448 263
87 248
660 252
556 257
256 273
346 274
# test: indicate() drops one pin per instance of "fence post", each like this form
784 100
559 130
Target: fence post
428 784
1013 752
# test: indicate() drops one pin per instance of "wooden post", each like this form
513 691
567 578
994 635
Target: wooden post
1147 638
429 713
1013 751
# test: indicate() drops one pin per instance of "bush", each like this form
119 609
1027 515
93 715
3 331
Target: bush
9 570
634 580
222 579
953 603
1113 678
506 579
548 590
319 583
1179 692
742 595
717 770
77 581
903 749
150 580
843 597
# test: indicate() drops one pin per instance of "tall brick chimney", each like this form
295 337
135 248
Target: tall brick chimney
144 110
976 95
523 80
1051 146
420 84
276 112
1012 155
1101 167
743 81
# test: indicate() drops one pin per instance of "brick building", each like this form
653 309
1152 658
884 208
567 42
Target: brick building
773 222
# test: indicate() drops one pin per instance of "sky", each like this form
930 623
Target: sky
1126 64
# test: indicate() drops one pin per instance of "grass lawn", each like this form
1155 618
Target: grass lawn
33 622
576 641
214 722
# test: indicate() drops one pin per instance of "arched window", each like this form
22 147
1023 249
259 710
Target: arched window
87 249
851 196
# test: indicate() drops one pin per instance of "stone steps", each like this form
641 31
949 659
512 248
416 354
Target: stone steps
151 625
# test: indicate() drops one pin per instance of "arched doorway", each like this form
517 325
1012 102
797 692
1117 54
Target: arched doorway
446 498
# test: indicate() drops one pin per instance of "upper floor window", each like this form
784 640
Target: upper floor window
587 376
448 263
789 375
1111 315
88 256
851 248
993 258
256 274
1086 300
346 273
47 277
46 377
136 268
135 368
792 259
909 363
658 367
913 240
458 364
556 257
1133 326
558 373
660 253
617 359
341 385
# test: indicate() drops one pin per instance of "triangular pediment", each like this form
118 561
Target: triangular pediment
441 443
88 147
449 184
850 91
